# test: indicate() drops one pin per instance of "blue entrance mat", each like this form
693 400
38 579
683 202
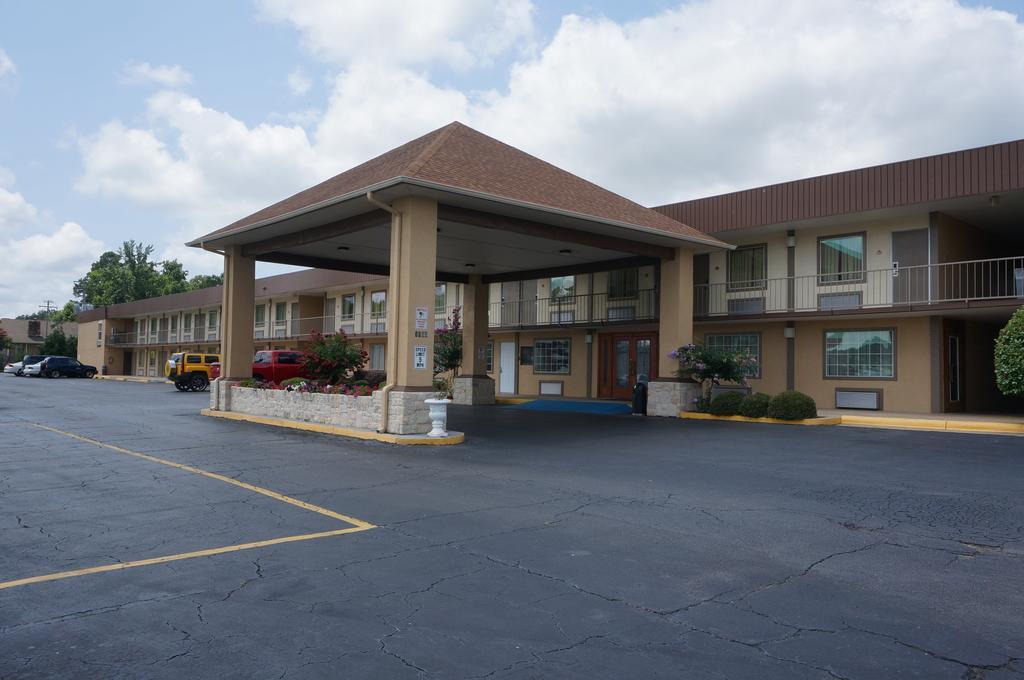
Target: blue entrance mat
601 407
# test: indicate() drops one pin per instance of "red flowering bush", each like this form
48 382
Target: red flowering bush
332 358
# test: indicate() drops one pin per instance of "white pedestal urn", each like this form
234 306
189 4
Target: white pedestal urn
438 417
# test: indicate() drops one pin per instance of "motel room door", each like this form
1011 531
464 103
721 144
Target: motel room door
624 360
952 366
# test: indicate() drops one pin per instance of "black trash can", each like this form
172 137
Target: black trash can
640 399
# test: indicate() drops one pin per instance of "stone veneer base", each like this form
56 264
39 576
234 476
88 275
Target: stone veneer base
667 398
470 390
403 439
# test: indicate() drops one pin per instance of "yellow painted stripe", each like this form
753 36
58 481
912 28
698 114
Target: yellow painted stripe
824 420
174 558
213 475
934 424
369 435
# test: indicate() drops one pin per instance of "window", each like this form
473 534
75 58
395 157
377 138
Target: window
287 358
260 315
440 298
551 356
746 343
174 323
213 324
377 357
563 286
193 359
490 356
378 303
746 267
188 323
348 306
860 354
623 283
152 326
99 333
211 358
280 312
841 259
262 358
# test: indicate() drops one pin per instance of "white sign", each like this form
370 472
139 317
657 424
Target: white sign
421 318
419 357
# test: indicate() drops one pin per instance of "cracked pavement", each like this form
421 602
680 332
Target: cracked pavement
546 546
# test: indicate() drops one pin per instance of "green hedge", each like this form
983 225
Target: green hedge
726 404
1009 355
792 405
293 381
755 405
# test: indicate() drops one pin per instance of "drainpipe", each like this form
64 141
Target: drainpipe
391 366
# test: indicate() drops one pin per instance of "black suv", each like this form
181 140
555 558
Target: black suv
55 367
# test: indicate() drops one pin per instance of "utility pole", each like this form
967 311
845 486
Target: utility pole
49 310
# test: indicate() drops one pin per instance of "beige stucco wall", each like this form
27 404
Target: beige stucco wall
88 352
909 392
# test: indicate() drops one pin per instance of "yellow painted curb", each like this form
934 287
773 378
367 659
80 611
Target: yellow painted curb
967 426
388 438
512 400
830 420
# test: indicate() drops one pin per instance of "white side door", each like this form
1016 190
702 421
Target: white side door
507 368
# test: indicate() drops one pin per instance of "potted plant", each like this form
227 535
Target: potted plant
447 360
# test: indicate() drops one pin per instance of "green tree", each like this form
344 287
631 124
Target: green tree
57 343
5 341
172 279
1009 356
205 281
66 313
448 354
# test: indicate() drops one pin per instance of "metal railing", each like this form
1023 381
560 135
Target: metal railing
200 335
947 282
574 310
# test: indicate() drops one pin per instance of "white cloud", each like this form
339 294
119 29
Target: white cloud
298 82
6 65
15 211
144 73
45 266
460 33
711 96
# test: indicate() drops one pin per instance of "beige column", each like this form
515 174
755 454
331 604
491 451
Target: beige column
667 395
237 314
675 308
473 385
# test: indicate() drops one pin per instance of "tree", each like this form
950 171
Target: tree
1009 356
57 343
66 313
128 274
332 358
5 341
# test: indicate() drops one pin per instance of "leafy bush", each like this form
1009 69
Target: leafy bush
712 367
288 382
1009 356
258 384
792 405
726 404
332 358
755 405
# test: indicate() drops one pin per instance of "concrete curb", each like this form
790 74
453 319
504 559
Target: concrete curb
930 424
830 420
370 435
131 378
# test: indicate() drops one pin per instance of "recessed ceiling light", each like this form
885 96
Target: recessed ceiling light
469 264
565 251
342 247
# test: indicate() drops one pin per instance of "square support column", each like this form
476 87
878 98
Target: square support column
667 395
410 349
237 311
473 385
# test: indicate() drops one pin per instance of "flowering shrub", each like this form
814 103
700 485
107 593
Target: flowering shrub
333 358
1009 355
712 367
359 389
447 354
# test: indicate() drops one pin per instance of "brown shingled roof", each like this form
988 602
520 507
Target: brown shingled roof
459 157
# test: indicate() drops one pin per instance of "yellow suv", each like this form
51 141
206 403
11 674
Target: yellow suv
190 371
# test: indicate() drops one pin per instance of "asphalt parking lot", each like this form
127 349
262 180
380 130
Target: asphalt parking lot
546 546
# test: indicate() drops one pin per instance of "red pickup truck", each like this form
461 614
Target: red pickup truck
272 365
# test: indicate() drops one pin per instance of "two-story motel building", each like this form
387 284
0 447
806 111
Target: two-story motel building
878 288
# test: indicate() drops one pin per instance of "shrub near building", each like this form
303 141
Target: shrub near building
755 405
1009 357
726 404
792 405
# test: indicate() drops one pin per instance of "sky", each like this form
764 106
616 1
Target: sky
159 122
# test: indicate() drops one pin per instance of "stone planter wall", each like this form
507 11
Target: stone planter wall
338 410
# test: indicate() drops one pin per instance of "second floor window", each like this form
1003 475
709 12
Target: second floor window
280 313
378 303
348 306
260 315
563 287
623 283
747 267
841 259
440 298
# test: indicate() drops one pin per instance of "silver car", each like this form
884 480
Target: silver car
18 367
33 370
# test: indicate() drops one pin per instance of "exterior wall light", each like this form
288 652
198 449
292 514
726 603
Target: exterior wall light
789 332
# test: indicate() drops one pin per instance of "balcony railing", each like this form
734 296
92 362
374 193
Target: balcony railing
574 310
201 335
948 282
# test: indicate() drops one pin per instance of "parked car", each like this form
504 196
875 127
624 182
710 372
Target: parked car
66 367
18 367
275 365
190 371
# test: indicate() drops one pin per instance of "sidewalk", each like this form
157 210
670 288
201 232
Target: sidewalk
131 378
952 422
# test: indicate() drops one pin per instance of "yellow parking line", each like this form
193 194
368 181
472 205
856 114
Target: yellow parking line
174 558
357 524
213 475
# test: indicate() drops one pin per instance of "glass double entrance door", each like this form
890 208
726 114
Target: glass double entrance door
624 360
